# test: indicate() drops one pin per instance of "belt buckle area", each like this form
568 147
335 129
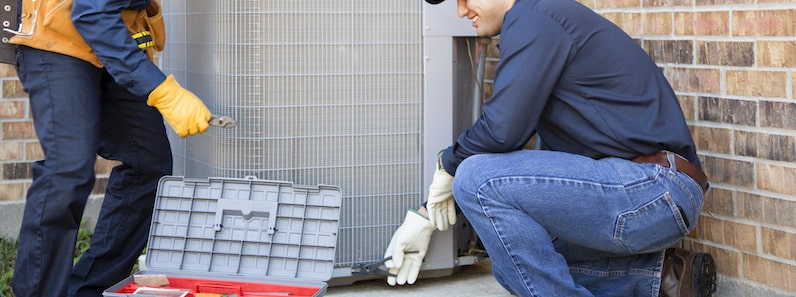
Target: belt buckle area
669 159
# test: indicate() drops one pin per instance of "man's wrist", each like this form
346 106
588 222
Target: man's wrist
422 210
439 160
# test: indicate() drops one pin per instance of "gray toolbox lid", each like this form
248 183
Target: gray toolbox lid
244 227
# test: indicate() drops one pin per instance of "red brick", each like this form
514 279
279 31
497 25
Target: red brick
33 151
12 191
616 3
670 51
683 23
767 146
7 71
775 114
667 3
730 111
704 23
757 83
719 202
776 178
725 53
12 109
657 23
695 79
11 151
776 53
588 3
711 139
723 2
769 272
614 17
764 22
750 206
779 243
18 130
18 170
13 89
633 23
768 210
738 235
738 173
688 105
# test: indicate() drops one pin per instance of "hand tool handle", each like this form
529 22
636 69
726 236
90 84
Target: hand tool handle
222 121
218 288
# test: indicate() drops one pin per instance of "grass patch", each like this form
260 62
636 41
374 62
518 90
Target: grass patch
8 256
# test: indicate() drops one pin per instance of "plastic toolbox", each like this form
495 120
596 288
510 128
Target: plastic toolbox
239 237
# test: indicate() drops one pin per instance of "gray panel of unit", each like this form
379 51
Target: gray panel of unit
324 92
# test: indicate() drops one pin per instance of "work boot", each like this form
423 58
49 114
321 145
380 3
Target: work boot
687 274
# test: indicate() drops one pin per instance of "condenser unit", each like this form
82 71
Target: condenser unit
352 93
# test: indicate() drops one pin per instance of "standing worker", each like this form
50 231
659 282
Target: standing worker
619 181
94 90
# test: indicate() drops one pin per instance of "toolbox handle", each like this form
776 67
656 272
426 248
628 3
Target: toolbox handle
218 288
246 209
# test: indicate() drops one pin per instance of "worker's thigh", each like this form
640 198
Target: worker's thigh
610 205
64 94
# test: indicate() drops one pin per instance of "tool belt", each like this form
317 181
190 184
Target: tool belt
8 17
47 25
681 164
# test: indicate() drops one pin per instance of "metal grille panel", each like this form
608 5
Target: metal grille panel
325 92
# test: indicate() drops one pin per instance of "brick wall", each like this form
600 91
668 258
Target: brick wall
733 65
17 139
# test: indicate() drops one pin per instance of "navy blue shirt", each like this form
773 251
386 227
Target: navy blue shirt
100 24
578 81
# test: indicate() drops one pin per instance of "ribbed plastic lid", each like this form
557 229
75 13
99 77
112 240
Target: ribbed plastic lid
244 227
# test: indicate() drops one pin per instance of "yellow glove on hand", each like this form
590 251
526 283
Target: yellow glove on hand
440 205
185 112
414 235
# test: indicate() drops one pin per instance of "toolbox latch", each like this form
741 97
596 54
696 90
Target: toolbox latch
246 209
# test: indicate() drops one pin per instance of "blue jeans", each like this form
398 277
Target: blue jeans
559 224
79 112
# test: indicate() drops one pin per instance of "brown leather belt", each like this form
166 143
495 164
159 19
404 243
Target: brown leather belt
682 164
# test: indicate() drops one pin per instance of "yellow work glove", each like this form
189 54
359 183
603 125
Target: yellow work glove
440 205
185 112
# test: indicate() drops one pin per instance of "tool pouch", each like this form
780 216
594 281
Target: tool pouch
148 23
154 20
47 25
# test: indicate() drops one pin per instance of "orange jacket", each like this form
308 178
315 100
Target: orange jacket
47 25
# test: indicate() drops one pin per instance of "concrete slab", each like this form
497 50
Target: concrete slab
474 280
11 215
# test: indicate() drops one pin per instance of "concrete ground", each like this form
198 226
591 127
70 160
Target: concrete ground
475 280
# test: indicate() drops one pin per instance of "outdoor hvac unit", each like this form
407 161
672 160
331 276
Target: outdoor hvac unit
330 92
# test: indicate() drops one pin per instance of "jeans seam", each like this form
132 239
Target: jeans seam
499 232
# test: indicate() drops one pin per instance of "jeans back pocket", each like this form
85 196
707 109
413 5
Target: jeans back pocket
651 227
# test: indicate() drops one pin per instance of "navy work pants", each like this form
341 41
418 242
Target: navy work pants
79 112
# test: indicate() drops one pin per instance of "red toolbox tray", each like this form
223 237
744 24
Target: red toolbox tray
239 237
189 287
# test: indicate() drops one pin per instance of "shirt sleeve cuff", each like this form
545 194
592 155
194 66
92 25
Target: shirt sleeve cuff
141 81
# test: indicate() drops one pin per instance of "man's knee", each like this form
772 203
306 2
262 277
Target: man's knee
469 176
